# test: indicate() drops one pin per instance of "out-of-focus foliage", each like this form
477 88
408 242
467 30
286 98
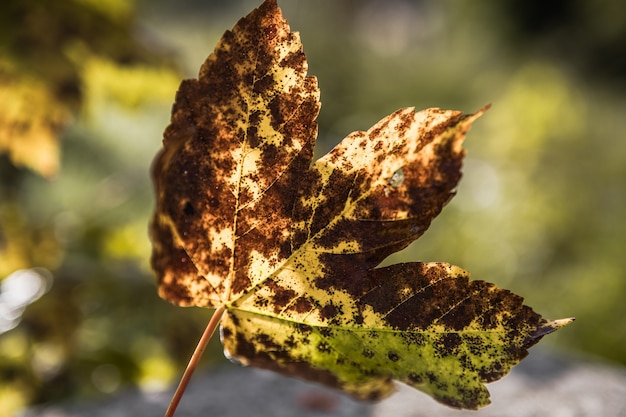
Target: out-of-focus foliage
85 225
48 51
30 120
539 210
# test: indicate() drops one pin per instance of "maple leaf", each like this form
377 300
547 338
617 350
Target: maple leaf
287 251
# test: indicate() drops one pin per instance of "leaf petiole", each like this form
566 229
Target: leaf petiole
195 359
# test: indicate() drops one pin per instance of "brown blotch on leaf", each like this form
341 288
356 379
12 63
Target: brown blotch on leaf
301 305
329 311
281 297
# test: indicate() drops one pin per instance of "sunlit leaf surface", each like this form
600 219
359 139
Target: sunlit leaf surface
290 247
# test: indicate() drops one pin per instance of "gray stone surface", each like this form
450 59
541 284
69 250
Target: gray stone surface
544 385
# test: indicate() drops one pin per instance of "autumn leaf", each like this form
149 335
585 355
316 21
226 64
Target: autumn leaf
289 249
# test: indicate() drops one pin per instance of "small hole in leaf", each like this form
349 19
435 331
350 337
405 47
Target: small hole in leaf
188 209
397 178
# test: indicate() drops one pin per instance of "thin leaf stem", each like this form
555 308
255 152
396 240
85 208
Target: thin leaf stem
195 359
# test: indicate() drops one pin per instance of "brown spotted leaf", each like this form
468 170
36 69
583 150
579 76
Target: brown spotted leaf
289 248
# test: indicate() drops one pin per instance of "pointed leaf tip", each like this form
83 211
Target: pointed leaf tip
551 326
471 118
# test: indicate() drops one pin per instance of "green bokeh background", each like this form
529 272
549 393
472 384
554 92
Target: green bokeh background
540 209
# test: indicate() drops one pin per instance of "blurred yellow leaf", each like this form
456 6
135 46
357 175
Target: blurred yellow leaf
30 121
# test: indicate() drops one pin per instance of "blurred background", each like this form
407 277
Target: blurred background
85 92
